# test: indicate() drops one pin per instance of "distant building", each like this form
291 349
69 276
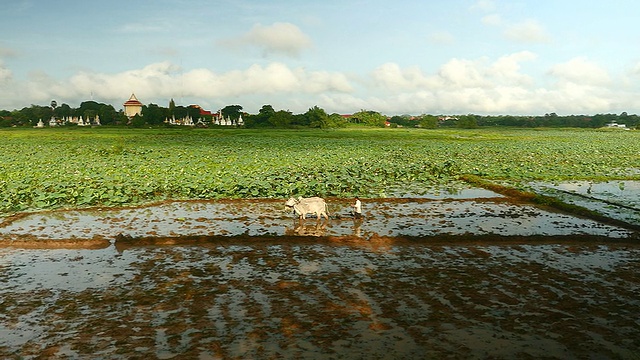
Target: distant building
202 111
614 124
132 107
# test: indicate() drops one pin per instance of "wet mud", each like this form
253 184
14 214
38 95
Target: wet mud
485 213
472 275
619 200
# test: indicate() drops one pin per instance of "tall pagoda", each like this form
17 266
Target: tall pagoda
132 107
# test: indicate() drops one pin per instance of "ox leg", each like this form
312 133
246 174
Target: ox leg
300 212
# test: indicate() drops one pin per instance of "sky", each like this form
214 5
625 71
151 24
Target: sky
487 57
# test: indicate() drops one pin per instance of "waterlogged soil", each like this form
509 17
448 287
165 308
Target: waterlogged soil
302 299
618 200
467 275
476 212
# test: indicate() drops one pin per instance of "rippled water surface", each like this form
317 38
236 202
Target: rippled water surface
476 276
300 299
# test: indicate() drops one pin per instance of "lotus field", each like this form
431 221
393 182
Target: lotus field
73 167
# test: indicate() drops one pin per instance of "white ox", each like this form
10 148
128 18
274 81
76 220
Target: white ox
303 206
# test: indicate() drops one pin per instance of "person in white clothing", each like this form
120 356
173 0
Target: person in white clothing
357 208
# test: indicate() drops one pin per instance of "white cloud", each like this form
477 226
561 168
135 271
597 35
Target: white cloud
158 79
528 31
164 80
507 68
580 70
462 73
346 103
391 77
460 85
483 85
571 98
278 38
491 87
317 82
275 78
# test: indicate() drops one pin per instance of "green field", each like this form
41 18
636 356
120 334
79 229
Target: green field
77 167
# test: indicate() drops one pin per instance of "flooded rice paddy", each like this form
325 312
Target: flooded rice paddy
466 275
615 199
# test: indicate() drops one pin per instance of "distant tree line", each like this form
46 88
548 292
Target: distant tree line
547 120
554 120
315 117
29 116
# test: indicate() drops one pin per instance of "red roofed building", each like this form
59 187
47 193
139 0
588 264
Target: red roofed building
132 107
202 111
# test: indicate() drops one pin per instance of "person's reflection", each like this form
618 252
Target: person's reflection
357 227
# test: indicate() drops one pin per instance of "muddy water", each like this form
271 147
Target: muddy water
398 217
300 299
431 277
615 199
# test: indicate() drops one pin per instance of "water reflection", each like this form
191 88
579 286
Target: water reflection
213 220
318 228
305 299
357 227
307 227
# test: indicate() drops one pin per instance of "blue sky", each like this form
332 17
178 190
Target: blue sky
397 57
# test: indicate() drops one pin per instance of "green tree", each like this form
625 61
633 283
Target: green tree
337 121
317 118
180 112
232 111
300 120
172 107
5 118
467 122
30 116
121 118
88 105
89 115
154 114
89 109
63 111
429 121
108 115
369 118
19 118
137 121
262 118
193 112
266 111
281 118
402 120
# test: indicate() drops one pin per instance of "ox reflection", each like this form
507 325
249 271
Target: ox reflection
303 228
